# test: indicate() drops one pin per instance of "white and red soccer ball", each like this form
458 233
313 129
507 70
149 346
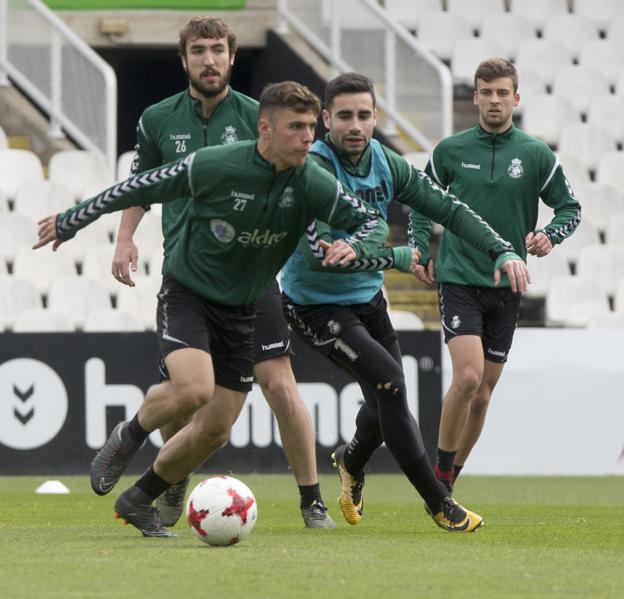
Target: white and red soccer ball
221 510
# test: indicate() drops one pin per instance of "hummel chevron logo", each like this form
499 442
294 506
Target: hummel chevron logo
20 412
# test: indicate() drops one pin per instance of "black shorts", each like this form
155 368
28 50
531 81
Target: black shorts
272 336
186 319
321 325
486 312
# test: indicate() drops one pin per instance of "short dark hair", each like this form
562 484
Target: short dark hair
493 68
290 95
209 27
348 83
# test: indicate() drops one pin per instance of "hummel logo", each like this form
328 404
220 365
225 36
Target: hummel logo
468 165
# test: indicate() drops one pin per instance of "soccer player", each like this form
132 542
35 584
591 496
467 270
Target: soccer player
344 316
249 204
501 173
210 113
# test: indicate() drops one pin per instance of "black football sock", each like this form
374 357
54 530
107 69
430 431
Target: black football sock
358 454
308 494
152 484
445 459
135 431
457 469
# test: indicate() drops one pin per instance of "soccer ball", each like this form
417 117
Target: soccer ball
221 510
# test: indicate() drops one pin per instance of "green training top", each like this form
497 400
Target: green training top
501 177
175 127
243 221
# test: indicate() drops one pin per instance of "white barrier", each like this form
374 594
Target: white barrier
558 408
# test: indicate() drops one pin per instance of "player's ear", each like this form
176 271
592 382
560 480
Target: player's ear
325 115
264 127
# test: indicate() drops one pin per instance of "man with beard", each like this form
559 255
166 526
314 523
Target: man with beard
209 113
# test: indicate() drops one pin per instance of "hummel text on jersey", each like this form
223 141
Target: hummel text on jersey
468 165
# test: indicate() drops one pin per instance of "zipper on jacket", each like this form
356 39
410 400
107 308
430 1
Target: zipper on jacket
493 157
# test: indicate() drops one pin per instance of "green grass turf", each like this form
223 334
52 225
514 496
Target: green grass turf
205 6
544 537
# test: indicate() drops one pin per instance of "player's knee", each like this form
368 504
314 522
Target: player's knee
467 381
193 396
392 385
280 393
480 403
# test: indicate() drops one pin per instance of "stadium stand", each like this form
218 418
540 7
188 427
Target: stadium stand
509 30
581 84
43 267
155 262
543 56
609 109
4 142
17 167
16 294
75 297
545 116
40 320
615 226
605 55
473 10
438 32
96 265
602 265
576 172
571 31
417 159
600 202
467 53
586 141
610 321
409 12
618 303
586 234
406 321
140 300
538 11
37 199
124 162
17 231
106 321
80 171
611 169
573 301
543 270
601 12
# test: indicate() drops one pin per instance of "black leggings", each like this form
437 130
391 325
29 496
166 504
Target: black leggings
385 416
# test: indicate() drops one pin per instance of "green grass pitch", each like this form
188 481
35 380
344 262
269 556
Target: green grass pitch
543 537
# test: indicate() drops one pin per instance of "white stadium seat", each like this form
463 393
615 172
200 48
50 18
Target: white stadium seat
96 234
439 31
605 55
80 171
574 168
75 297
148 236
37 199
546 115
600 203
609 109
42 266
17 167
615 28
619 296
155 263
543 56
530 84
581 84
97 265
603 264
601 12
615 227
543 270
473 10
571 31
585 234
402 320
573 301
418 160
611 170
609 320
538 11
17 231
587 142
467 54
124 164
16 294
507 29
39 320
112 321
4 142
141 300
409 12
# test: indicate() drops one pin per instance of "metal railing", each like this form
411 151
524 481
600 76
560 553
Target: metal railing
61 74
414 89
